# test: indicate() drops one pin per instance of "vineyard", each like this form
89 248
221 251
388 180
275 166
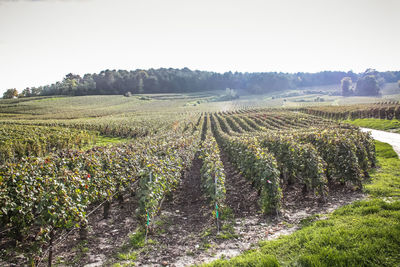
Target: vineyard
51 188
384 110
18 141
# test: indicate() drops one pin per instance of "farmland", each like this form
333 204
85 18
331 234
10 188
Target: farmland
183 179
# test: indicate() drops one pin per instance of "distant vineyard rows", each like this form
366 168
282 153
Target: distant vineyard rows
386 110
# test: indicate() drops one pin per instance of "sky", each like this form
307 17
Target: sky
43 40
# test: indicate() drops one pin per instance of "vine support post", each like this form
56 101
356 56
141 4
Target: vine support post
106 210
51 248
217 216
83 231
216 203
147 214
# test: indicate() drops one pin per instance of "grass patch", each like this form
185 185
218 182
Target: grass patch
385 150
107 140
377 124
226 213
365 233
81 251
205 246
129 251
101 140
127 256
129 264
207 232
385 181
227 232
309 220
137 240
288 225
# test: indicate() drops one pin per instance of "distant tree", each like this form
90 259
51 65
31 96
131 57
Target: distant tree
36 90
367 86
398 83
141 76
379 78
346 86
26 92
10 93
231 93
70 83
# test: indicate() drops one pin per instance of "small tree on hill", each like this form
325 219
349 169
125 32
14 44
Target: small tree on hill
346 86
26 92
367 86
10 93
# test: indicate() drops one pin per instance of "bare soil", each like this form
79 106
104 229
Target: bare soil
104 236
183 221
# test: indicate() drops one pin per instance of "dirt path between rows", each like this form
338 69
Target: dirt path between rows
241 197
391 138
180 229
104 237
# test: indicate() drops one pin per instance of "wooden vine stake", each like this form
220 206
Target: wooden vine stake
83 231
216 204
147 215
106 210
51 248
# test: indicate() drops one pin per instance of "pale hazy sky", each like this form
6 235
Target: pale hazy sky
42 40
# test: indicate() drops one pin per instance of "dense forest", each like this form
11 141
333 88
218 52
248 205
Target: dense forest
110 82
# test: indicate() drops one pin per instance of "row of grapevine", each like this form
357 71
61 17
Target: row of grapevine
121 126
307 156
161 170
298 163
256 163
242 124
212 170
387 111
348 153
17 141
261 121
233 125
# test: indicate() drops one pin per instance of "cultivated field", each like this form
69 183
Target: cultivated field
184 179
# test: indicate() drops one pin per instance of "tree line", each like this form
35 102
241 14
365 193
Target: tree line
163 80
368 83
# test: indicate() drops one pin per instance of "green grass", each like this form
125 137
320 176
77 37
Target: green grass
101 140
384 150
137 240
365 233
227 232
377 124
385 181
107 140
127 256
129 251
